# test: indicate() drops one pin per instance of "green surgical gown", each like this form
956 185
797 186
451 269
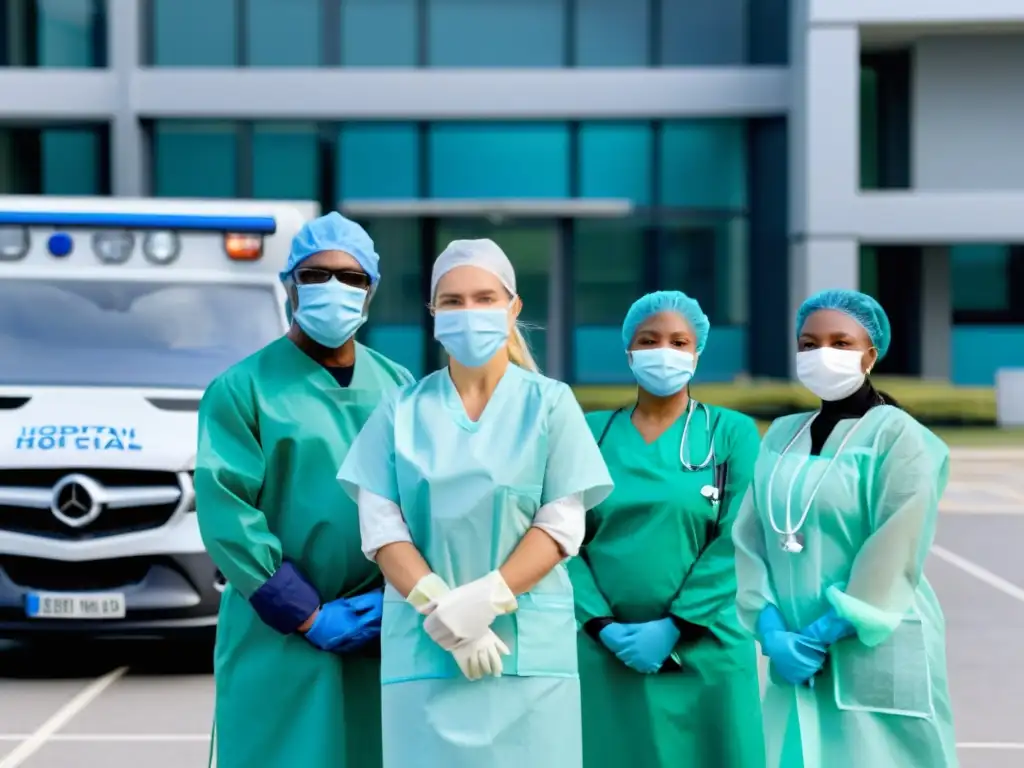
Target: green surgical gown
273 431
883 697
651 551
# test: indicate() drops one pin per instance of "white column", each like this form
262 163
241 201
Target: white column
936 314
128 155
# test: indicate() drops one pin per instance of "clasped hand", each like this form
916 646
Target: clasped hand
643 647
796 657
345 624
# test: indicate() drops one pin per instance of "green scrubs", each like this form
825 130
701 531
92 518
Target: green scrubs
652 550
273 431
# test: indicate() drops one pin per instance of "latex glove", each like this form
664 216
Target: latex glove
346 624
829 628
796 658
467 612
480 657
614 636
646 649
427 590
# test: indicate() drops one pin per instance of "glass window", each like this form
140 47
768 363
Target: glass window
615 161
496 33
378 161
980 277
195 159
703 32
396 325
379 33
768 25
285 161
612 33
194 33
71 161
69 33
703 164
492 160
284 33
868 128
130 334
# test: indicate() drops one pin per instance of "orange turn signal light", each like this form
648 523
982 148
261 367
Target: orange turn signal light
240 247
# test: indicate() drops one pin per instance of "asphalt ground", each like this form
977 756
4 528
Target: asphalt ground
125 705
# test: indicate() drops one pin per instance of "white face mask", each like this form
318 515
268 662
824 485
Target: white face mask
830 373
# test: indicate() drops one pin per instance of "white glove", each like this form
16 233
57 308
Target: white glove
477 658
467 612
427 590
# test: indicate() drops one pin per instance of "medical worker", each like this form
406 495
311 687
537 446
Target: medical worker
472 487
296 665
669 678
830 546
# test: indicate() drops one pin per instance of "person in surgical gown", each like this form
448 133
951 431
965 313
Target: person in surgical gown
296 662
668 676
830 548
472 487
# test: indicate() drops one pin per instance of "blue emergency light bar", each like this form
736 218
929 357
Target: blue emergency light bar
254 225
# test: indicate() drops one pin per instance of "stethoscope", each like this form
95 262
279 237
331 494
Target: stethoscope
710 458
792 542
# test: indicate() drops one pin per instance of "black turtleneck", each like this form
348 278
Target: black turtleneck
832 412
341 374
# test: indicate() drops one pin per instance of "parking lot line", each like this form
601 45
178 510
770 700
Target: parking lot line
60 718
101 737
994 745
970 568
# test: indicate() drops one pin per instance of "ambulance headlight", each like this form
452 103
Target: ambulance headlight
13 243
113 247
161 247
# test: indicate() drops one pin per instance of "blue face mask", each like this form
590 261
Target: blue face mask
663 371
330 313
472 336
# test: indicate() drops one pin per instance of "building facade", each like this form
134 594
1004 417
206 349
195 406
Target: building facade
735 149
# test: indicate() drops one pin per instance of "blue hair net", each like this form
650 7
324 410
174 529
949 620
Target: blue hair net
666 301
333 232
861 307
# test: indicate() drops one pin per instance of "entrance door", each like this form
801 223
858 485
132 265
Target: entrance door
532 246
893 275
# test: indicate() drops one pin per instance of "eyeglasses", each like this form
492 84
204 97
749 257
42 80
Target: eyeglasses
320 275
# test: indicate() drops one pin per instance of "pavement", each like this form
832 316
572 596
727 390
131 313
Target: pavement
124 705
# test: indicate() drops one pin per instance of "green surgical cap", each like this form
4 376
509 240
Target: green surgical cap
861 307
666 301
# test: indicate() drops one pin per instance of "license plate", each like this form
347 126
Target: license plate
96 605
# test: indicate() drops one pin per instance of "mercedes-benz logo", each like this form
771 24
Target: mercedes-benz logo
75 501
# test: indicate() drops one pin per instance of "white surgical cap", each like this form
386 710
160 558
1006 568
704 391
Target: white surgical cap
484 254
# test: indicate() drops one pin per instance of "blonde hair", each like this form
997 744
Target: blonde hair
519 350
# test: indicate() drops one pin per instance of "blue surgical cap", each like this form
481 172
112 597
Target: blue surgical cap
666 301
861 307
333 232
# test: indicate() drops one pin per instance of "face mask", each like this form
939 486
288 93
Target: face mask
830 373
472 336
330 313
662 371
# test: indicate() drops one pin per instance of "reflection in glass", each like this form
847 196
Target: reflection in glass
612 33
71 161
378 33
194 33
130 334
496 33
615 160
67 33
285 161
492 160
703 32
195 159
704 164
284 33
378 161
980 277
530 247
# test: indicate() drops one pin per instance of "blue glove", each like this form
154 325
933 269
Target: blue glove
829 629
614 636
346 624
646 649
796 658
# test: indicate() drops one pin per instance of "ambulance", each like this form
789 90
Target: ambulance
115 314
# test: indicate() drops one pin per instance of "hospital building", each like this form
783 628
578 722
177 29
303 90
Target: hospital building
748 152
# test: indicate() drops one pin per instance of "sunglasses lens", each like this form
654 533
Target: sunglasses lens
312 275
